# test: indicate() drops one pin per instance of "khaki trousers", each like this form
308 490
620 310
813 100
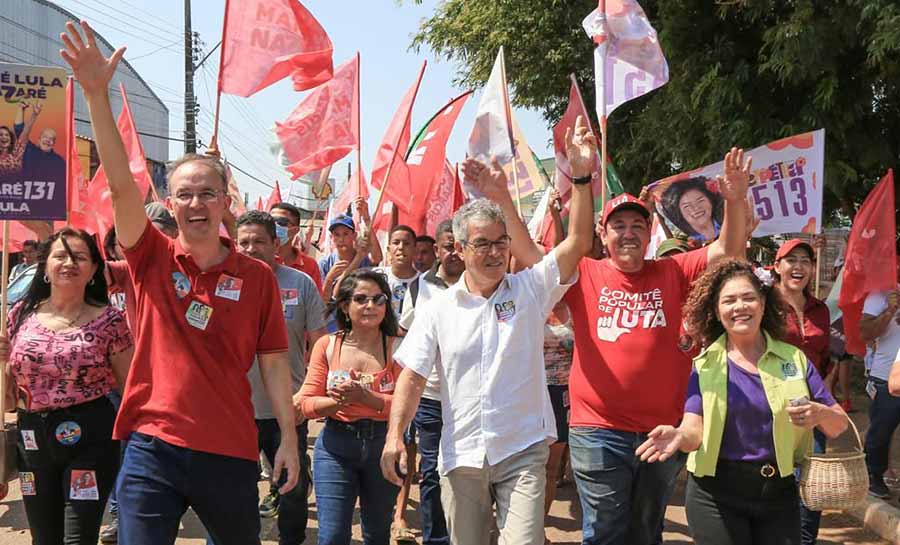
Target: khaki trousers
516 485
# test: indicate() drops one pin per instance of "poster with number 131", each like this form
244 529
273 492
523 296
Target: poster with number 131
785 190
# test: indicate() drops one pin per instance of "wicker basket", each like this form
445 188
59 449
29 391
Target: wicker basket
835 480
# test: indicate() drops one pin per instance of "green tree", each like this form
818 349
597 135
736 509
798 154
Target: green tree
742 73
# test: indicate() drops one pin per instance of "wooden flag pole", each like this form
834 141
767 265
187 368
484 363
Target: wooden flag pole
4 463
602 102
515 176
213 148
358 128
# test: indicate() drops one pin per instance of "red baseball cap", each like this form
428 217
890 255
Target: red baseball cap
622 202
791 245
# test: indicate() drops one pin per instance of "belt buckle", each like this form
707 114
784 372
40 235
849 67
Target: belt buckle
767 471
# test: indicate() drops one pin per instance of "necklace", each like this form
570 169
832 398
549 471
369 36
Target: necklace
57 315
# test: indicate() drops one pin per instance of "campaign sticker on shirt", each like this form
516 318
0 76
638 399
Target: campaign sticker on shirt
386 384
229 287
26 483
83 485
339 376
68 433
181 283
790 371
29 440
198 315
505 311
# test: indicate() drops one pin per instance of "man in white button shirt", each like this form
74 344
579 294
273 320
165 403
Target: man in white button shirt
484 335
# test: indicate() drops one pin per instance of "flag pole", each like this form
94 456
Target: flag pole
358 130
602 102
213 148
818 269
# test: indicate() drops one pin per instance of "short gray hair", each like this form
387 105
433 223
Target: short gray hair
212 162
480 209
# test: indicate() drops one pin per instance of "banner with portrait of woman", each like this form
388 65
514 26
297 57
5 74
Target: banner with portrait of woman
32 142
785 191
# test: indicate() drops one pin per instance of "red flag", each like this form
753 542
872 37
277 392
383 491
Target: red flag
76 189
274 198
393 146
323 128
870 262
426 162
259 203
264 41
575 108
459 197
440 201
99 201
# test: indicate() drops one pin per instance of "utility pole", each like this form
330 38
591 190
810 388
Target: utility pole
190 124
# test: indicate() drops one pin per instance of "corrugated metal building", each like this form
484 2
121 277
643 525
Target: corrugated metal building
29 34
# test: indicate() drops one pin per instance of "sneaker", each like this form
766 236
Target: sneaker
110 534
877 487
268 508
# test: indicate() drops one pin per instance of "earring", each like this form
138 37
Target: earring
46 280
91 283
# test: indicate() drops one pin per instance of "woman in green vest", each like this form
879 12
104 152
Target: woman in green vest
752 404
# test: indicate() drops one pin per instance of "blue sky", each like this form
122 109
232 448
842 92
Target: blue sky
380 29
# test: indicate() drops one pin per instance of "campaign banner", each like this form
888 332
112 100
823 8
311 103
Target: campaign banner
32 142
785 191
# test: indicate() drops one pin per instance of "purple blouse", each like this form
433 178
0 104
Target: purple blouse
748 421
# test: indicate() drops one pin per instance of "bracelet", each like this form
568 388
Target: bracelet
582 180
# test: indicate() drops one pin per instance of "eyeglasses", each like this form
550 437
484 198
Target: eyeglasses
379 300
483 247
206 196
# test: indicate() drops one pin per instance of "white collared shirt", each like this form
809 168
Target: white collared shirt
490 358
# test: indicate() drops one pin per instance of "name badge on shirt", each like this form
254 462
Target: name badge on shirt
790 371
505 311
229 287
198 315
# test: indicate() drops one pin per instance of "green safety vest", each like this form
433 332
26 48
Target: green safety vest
782 369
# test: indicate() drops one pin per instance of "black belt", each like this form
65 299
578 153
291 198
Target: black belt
362 429
768 470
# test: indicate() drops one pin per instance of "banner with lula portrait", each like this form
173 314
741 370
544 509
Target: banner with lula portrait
32 142
785 191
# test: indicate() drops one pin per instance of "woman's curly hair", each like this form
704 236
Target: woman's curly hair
700 309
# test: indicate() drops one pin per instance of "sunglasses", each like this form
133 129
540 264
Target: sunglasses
379 300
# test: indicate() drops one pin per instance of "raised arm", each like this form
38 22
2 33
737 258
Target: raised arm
94 71
732 241
362 212
492 182
36 109
581 151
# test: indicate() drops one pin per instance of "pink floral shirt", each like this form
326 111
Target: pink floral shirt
60 369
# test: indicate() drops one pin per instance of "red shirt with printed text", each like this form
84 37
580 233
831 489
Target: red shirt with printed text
628 372
199 334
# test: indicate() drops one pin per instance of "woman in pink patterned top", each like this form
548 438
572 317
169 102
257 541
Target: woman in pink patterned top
66 350
12 149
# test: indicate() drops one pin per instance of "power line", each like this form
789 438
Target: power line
132 59
114 26
145 12
144 21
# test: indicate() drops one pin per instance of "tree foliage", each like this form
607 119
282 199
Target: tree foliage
742 72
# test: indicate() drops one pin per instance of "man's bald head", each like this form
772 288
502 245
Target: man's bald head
47 140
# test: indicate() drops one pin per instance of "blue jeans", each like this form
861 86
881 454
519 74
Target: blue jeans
810 520
884 417
623 499
347 466
428 425
159 481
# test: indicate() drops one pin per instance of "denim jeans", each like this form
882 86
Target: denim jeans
810 520
159 481
347 466
428 425
884 416
116 399
623 499
293 507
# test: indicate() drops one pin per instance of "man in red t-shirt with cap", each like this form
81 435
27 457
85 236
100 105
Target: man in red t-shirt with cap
203 312
628 372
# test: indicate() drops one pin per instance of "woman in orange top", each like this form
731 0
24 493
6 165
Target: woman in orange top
350 381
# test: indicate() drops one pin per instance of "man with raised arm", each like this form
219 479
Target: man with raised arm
204 312
484 335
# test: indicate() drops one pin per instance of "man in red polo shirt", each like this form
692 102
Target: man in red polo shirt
204 312
287 223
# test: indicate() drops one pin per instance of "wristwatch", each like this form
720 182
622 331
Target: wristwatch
581 180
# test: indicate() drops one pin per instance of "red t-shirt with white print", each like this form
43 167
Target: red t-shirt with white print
628 372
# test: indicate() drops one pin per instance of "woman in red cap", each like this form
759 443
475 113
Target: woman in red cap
807 327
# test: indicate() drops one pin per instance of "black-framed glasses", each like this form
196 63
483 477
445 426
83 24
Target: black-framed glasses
483 247
380 300
206 196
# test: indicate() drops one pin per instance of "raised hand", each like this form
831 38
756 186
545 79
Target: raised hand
733 186
90 67
581 149
490 181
